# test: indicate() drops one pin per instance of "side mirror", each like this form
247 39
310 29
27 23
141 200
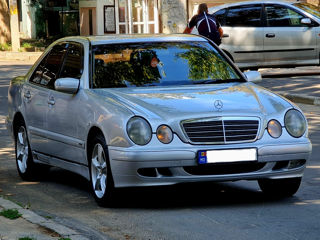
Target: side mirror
67 85
253 76
306 21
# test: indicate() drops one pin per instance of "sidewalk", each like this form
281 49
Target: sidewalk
27 57
32 226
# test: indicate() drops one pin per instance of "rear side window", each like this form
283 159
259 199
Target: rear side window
280 16
244 16
73 65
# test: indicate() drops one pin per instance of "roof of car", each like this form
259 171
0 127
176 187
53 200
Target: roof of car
133 38
213 9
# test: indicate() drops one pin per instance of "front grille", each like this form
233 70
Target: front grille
221 131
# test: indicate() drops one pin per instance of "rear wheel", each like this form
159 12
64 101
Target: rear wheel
280 187
100 172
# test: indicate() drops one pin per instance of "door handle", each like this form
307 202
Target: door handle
51 101
225 35
27 94
270 35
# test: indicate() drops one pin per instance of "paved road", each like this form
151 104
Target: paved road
191 211
307 85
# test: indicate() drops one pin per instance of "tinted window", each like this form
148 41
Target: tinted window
245 16
73 65
279 16
37 74
159 64
48 70
220 16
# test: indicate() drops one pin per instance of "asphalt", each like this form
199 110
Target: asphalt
301 88
300 84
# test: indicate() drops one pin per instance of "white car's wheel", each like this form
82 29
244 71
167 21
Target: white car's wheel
280 187
100 172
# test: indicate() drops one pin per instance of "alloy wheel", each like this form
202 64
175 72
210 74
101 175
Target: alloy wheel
99 170
22 149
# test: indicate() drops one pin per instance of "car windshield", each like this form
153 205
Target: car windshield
309 8
160 64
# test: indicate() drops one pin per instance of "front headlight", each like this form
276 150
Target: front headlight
139 131
295 123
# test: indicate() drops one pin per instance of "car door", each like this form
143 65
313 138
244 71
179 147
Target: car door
243 34
286 40
62 121
35 95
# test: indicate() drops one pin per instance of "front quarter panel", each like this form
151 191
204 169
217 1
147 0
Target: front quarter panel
108 115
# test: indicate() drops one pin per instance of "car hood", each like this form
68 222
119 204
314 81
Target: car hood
196 101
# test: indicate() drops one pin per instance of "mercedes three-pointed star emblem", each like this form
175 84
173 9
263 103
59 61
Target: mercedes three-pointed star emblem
218 104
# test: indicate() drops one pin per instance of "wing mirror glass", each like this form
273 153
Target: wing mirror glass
67 85
306 21
253 76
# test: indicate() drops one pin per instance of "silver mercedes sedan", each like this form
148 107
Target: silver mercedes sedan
149 110
270 33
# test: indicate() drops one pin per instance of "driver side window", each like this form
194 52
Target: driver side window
280 16
48 70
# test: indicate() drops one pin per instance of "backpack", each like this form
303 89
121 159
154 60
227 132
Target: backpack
207 27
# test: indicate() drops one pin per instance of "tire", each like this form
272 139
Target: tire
280 187
26 167
100 172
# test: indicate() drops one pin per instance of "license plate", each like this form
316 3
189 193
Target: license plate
227 156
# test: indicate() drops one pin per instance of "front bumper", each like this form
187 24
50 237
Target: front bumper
151 167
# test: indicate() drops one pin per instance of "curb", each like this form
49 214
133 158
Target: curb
34 218
300 98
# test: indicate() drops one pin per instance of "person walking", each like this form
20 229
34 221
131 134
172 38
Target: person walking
206 24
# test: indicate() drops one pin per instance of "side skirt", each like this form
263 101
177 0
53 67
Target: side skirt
60 163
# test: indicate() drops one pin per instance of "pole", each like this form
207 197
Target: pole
14 26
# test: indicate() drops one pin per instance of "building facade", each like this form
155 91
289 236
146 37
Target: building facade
49 18
132 16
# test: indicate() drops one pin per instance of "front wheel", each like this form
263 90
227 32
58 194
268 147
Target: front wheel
27 169
280 187
100 172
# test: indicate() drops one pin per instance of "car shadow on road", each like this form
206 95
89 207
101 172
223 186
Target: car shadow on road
193 195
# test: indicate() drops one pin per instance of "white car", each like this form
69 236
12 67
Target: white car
270 33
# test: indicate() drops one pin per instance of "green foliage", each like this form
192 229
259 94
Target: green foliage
5 46
11 214
64 238
70 24
26 45
27 238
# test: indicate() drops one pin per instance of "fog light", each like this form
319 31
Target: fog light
296 163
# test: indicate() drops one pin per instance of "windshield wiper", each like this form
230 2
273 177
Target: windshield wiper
209 81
